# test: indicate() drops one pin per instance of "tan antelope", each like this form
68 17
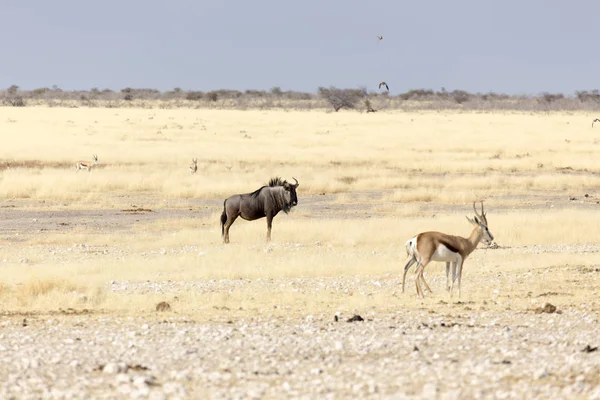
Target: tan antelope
194 166
86 164
438 246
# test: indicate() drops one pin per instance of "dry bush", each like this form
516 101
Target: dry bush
342 98
414 99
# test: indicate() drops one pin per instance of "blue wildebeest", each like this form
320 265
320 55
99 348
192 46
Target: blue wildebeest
265 202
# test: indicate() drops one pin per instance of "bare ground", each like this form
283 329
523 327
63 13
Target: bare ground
503 347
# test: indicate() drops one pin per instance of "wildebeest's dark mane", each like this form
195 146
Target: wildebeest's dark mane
277 181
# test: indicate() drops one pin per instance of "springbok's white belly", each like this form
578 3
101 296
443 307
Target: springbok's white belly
443 253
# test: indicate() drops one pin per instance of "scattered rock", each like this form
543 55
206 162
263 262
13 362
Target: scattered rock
589 349
112 368
355 318
163 306
548 309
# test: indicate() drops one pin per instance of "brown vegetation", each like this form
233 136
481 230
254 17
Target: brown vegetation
276 98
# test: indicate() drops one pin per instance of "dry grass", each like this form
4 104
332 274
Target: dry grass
148 151
395 167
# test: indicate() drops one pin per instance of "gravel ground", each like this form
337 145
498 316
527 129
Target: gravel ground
408 353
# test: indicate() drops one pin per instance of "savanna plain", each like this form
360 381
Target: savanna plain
86 257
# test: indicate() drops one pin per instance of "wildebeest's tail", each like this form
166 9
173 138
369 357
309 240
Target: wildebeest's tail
223 219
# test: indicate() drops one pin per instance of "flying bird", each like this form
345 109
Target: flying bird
596 120
384 84
380 37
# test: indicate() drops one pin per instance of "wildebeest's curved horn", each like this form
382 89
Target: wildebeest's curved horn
297 184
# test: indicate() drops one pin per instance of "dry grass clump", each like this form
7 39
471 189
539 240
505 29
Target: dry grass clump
148 151
58 274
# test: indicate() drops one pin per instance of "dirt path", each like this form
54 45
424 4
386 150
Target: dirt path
28 217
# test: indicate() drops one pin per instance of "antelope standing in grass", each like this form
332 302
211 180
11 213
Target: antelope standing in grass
437 246
194 166
86 164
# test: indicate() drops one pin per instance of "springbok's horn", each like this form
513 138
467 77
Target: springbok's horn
297 184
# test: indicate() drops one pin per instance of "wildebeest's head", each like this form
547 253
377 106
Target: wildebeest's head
289 192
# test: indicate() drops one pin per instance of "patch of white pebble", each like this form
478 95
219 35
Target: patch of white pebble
406 354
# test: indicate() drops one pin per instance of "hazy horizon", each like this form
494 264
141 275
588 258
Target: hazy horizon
511 47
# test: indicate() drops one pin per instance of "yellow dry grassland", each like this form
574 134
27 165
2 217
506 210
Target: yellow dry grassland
368 182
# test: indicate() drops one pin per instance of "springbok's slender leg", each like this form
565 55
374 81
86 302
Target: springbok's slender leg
448 276
228 223
417 279
425 283
459 276
421 266
406 268
456 274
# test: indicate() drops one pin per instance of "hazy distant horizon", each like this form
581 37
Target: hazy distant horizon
315 92
510 47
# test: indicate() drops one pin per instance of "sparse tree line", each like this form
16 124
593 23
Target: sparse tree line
324 98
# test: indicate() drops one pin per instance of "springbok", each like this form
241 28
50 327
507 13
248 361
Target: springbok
86 164
194 166
437 246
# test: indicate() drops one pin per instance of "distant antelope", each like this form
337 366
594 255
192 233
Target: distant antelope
194 166
86 164
596 120
437 246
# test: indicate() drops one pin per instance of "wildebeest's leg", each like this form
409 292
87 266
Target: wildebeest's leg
269 224
228 223
406 268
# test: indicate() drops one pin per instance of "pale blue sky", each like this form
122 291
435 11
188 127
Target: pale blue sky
508 46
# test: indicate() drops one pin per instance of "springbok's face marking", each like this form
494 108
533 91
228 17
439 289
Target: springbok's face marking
482 225
487 235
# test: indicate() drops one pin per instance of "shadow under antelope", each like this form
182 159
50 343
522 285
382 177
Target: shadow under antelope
264 202
86 164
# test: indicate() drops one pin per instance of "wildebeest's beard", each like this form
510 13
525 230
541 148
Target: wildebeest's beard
286 206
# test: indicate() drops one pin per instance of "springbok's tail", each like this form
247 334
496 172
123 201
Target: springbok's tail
223 219
411 246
